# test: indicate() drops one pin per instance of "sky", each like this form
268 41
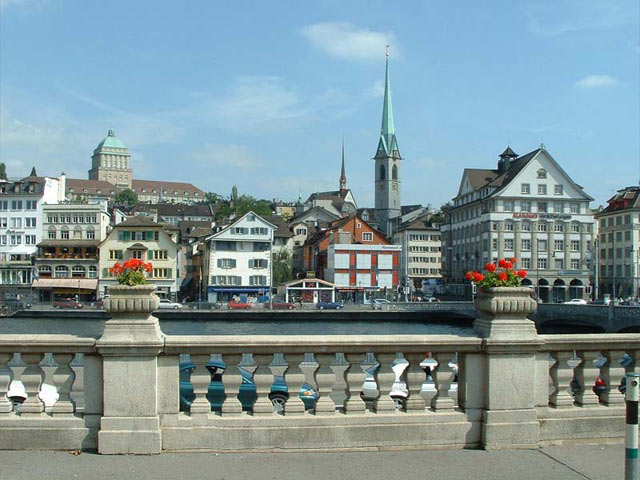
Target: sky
260 94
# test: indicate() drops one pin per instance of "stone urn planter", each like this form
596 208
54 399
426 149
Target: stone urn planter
503 313
131 320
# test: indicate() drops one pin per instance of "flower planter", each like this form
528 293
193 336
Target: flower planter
136 299
503 312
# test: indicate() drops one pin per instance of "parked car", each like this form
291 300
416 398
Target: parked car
239 305
600 386
247 395
602 301
381 303
576 301
66 303
166 303
329 306
281 305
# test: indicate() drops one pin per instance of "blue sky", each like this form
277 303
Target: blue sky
259 94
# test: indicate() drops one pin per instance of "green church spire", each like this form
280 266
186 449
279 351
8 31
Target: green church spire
388 143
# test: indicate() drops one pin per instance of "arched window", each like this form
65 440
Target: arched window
394 173
62 271
52 233
78 271
44 271
383 173
64 233
91 233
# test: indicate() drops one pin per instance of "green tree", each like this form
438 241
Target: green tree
213 197
3 171
282 271
127 196
244 204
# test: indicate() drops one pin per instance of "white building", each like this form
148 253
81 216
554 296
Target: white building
67 258
237 259
21 203
528 208
619 244
421 252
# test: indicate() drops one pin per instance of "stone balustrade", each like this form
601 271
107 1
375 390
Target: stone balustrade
135 390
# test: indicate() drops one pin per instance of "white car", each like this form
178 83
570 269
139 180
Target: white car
166 303
381 304
576 301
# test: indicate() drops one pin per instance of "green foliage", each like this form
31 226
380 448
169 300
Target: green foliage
281 267
244 204
127 196
213 197
3 171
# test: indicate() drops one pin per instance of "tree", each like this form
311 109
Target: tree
282 271
127 196
3 171
242 205
214 198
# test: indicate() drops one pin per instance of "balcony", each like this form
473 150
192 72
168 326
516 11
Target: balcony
68 249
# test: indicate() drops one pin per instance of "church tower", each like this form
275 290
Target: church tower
343 175
110 162
387 164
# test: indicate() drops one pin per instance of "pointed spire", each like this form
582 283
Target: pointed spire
343 175
33 172
388 142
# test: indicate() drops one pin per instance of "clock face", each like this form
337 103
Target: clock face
394 187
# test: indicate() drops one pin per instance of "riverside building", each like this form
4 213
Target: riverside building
528 208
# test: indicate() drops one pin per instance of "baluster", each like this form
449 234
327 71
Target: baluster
355 378
77 389
561 376
279 369
5 380
200 379
415 376
587 374
63 380
385 380
32 381
325 379
442 378
232 380
612 373
294 379
263 378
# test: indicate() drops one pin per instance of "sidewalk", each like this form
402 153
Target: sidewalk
592 461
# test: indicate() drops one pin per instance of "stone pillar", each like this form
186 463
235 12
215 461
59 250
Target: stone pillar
509 349
130 346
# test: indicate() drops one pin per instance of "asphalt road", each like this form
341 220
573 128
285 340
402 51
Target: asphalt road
592 461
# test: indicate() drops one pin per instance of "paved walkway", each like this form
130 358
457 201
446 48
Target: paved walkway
593 461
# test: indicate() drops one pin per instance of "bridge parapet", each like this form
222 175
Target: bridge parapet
337 391
609 318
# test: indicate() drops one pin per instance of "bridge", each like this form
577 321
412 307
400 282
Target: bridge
123 386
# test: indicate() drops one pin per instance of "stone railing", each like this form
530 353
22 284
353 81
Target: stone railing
139 391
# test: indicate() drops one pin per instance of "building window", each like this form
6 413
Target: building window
508 206
525 188
542 263
542 245
526 244
160 254
525 206
258 263
542 189
64 233
138 254
542 227
226 263
575 264
30 222
78 271
525 226
44 271
93 272
61 271
91 234
508 243
383 174
559 227
52 233
259 231
558 245
542 207
575 208
575 245
508 226
239 230
30 239
575 227
525 262
557 189
367 236
257 280
115 254
542 173
558 207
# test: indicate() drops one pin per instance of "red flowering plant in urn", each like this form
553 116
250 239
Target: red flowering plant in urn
502 274
132 272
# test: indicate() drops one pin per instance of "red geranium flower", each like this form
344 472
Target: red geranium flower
490 267
508 265
469 276
477 277
502 276
521 273
513 260
502 263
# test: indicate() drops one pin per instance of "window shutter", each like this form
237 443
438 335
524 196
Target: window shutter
149 236
105 272
127 235
169 274
251 263
219 263
119 254
149 254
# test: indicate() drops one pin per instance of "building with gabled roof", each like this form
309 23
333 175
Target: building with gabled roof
528 208
618 244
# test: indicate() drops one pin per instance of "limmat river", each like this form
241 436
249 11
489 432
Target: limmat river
237 324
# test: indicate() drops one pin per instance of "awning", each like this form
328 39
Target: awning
238 289
22 250
70 283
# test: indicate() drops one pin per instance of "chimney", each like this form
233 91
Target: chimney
62 187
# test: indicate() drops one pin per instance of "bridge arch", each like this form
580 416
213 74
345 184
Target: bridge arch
576 289
559 291
543 290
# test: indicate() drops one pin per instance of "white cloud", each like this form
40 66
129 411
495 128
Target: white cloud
375 90
348 42
558 18
227 156
597 81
